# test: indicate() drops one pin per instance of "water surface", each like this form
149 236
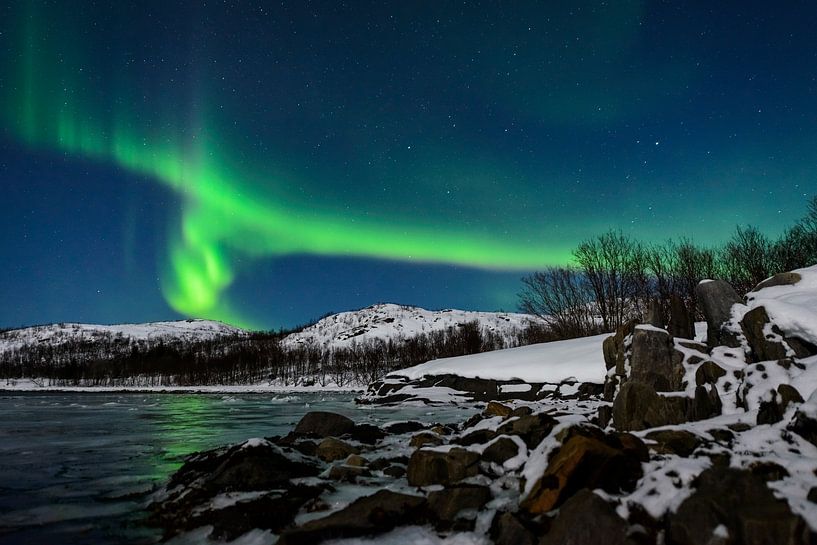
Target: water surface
76 468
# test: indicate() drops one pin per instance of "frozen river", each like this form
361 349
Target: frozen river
76 468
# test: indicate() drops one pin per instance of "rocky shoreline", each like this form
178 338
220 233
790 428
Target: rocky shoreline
685 443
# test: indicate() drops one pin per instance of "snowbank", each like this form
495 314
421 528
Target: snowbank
580 359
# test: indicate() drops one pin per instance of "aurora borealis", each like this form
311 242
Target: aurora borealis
264 165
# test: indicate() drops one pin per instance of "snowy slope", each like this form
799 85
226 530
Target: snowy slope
390 321
553 362
56 334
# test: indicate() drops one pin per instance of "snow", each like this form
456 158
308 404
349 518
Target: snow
578 359
56 334
389 321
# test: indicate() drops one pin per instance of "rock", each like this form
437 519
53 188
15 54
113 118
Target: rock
812 494
679 442
769 412
323 424
705 404
532 428
681 322
586 519
716 297
605 415
522 411
356 461
708 373
631 445
655 314
780 279
346 473
608 348
382 463
367 434
399 428
588 390
619 340
500 451
370 515
582 462
495 408
652 359
427 467
425 438
273 512
802 349
805 425
395 471
768 471
764 346
477 437
739 501
788 394
507 529
638 407
331 449
446 503
255 465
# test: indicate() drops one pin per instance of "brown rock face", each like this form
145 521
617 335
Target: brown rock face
653 361
739 501
681 323
495 408
427 467
323 424
638 406
582 462
755 324
716 298
331 449
586 519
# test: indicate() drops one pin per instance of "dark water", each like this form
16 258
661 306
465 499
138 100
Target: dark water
76 468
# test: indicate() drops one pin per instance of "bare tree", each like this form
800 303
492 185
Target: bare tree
563 298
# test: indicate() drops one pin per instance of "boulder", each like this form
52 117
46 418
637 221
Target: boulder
765 346
477 437
508 529
740 502
367 434
428 467
425 438
356 460
395 471
495 408
445 504
769 411
638 406
804 424
681 322
586 519
532 428
582 462
679 442
788 394
608 348
410 426
708 373
331 449
323 424
500 451
716 297
705 404
653 361
370 515
780 279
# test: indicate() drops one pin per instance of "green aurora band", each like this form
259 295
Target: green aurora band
226 213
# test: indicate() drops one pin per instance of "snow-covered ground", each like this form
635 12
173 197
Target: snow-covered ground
554 362
389 321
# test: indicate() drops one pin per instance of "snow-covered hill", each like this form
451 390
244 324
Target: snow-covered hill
389 321
57 334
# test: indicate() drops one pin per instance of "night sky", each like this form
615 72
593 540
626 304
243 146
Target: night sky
263 164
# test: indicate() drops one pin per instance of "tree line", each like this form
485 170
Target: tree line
247 359
613 277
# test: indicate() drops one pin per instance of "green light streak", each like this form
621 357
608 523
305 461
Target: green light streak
226 213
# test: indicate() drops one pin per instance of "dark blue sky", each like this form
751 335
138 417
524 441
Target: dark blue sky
267 165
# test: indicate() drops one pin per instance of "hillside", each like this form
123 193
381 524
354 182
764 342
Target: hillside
389 321
58 334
